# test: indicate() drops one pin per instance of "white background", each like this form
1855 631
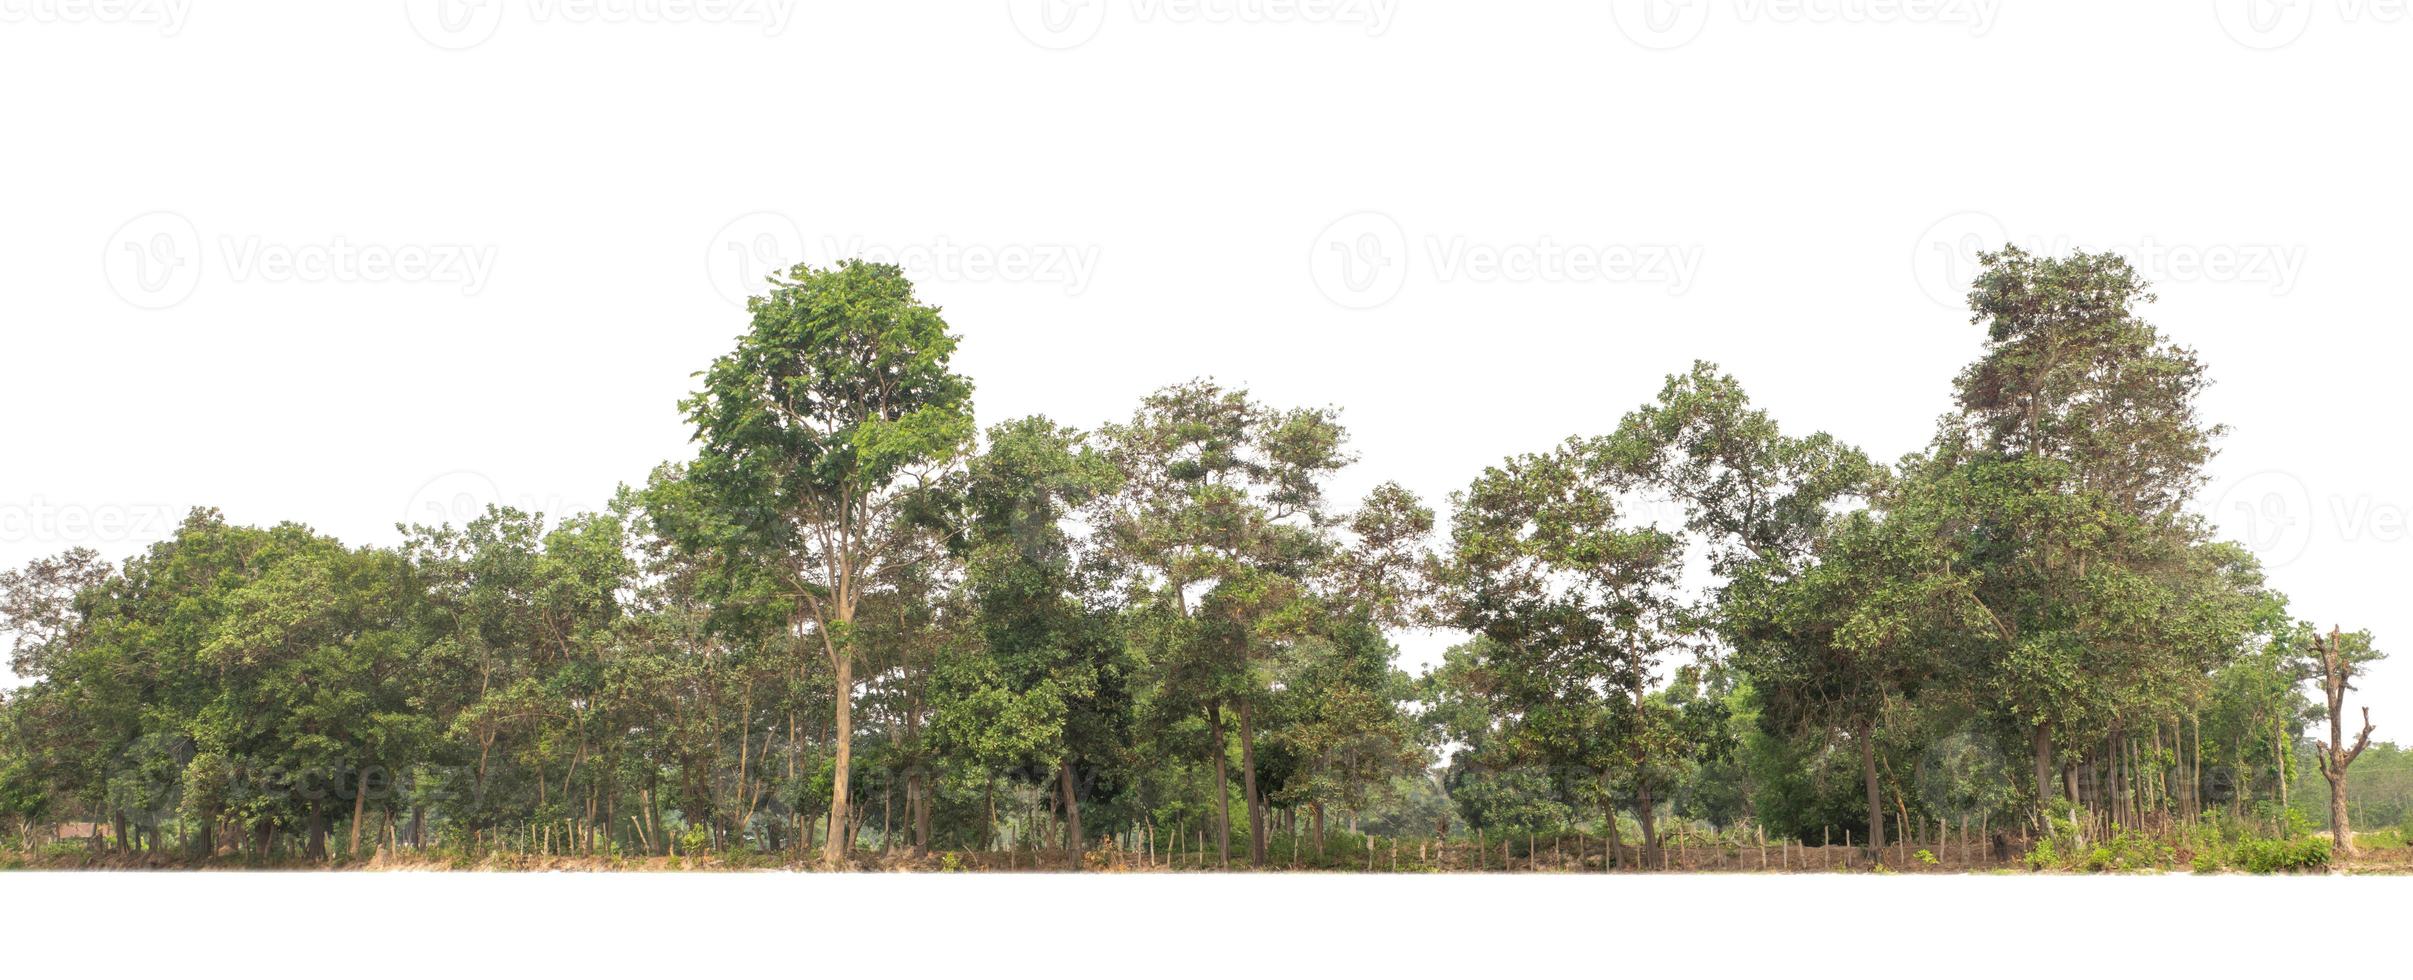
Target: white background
534 216
812 926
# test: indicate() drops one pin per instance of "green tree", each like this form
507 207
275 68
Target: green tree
1219 526
1047 683
1580 608
837 403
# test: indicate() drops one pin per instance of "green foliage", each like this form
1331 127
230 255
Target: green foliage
2044 855
2268 855
851 601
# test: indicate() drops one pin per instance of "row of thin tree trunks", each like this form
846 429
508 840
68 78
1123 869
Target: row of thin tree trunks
2154 780
1945 848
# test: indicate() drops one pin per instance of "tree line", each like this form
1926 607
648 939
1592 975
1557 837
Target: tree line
853 620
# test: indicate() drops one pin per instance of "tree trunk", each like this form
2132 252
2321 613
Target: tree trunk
316 849
1608 823
988 815
833 850
2338 827
921 824
1868 777
2042 742
1248 785
1223 789
360 806
1646 810
1074 843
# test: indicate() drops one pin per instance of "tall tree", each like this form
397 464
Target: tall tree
2076 445
1048 683
2341 657
837 403
1219 526
1580 604
1763 503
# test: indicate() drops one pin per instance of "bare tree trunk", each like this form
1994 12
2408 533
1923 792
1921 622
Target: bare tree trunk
1074 843
1868 777
833 850
1223 789
921 822
2042 742
360 805
2335 757
1608 821
1646 810
1248 785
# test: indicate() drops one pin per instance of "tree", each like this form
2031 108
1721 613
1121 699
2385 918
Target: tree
2076 445
1219 526
1858 633
1047 683
38 607
2341 657
1580 608
837 403
1765 504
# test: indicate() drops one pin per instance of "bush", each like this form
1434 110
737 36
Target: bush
2270 855
2044 856
2390 839
2130 851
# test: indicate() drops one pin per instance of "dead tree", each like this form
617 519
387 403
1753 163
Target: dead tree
2338 668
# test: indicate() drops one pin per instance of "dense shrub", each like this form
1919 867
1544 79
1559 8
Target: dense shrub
2268 855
